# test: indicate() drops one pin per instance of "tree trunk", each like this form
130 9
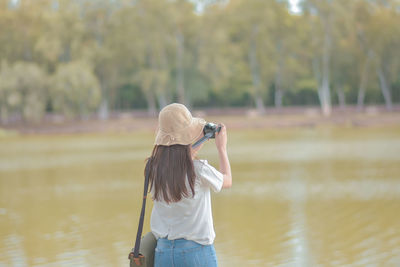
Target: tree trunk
278 86
103 111
162 101
180 50
385 88
278 97
163 97
151 109
363 82
278 80
341 96
317 74
324 87
255 71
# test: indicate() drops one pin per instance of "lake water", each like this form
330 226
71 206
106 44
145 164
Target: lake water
301 197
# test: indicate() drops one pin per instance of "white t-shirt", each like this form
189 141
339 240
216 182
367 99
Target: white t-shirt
190 218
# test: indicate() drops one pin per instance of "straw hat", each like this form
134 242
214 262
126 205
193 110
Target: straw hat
177 126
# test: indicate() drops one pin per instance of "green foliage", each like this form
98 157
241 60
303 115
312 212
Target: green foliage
22 90
130 97
148 53
74 89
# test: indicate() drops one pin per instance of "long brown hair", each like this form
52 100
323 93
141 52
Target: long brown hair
168 168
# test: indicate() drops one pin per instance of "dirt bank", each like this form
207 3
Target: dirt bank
374 116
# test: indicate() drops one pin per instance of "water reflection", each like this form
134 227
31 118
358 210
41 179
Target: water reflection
301 199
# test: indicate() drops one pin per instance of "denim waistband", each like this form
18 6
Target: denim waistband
177 243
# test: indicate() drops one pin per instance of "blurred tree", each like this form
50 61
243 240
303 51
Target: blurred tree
383 37
143 40
347 54
182 22
16 39
22 91
248 27
233 52
219 59
97 17
365 54
63 32
322 17
75 90
287 35
379 38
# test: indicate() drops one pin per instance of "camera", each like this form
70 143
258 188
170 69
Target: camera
209 131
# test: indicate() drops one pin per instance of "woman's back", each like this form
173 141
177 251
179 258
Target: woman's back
190 218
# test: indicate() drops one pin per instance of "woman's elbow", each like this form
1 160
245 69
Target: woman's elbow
227 182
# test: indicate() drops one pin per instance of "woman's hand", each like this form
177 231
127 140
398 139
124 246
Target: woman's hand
221 138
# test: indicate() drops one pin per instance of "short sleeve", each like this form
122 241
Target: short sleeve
210 176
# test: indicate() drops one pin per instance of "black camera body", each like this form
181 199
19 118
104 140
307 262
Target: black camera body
210 129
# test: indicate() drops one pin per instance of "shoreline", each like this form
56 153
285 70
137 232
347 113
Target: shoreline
235 118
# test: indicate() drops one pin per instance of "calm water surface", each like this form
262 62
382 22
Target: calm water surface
301 197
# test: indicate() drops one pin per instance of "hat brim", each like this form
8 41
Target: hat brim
186 136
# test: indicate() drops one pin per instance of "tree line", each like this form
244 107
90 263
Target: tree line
77 58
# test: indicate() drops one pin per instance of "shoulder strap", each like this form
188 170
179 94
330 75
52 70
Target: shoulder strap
140 227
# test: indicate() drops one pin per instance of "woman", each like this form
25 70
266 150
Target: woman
181 218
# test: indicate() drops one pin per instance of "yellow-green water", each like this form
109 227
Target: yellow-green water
301 197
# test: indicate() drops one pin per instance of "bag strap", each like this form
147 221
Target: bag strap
140 227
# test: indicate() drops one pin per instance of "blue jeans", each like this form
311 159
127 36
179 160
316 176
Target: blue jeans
184 253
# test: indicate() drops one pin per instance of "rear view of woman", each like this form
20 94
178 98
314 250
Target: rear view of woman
180 185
